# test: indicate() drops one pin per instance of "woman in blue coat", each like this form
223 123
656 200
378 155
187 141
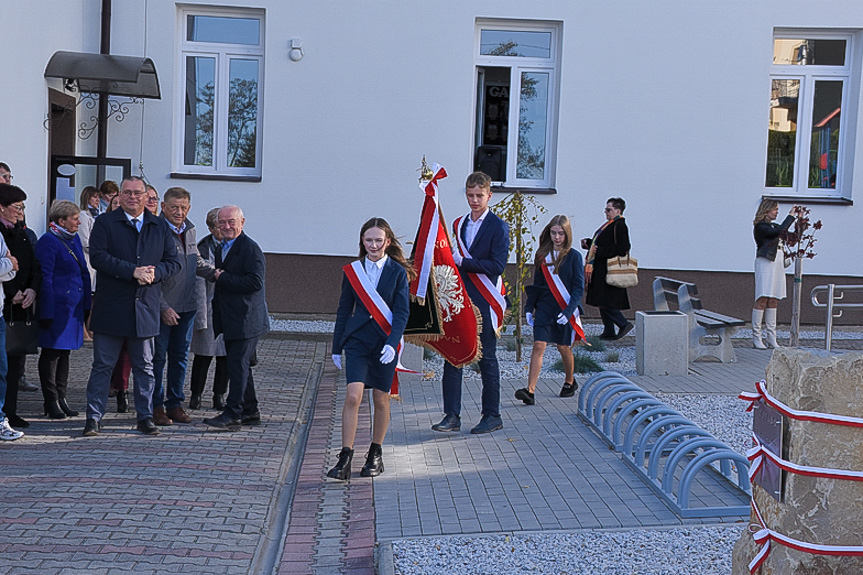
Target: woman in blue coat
63 304
550 322
370 352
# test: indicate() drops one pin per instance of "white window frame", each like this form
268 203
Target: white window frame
223 54
518 65
808 75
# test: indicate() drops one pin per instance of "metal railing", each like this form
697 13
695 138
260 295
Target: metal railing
834 301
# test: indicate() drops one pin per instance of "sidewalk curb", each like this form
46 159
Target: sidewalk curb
269 550
384 559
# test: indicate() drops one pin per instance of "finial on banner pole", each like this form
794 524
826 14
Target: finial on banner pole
426 173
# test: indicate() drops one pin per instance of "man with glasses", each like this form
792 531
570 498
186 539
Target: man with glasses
132 252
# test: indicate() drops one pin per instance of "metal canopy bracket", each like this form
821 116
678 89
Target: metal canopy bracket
106 74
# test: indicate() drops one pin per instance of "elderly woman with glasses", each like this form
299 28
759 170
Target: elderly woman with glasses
64 303
19 292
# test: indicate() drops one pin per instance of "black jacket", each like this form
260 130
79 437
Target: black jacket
21 242
767 237
240 303
612 242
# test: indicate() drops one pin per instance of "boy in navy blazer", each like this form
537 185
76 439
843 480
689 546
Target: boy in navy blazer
486 238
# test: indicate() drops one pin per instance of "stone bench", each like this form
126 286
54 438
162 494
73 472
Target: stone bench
710 333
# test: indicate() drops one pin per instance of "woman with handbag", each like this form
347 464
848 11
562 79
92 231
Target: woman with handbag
609 241
19 295
769 270
64 303
552 304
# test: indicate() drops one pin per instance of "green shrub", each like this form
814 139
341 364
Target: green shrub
596 344
582 363
612 356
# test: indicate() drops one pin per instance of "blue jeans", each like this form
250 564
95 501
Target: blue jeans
3 367
172 343
488 368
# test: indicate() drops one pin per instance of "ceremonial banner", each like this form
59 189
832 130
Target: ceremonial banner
442 315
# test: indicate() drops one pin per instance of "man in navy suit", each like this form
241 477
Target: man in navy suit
486 238
240 313
132 252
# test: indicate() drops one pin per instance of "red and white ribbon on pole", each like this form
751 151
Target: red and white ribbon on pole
562 297
762 394
492 292
373 302
427 234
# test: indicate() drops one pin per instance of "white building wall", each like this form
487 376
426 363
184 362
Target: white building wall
664 103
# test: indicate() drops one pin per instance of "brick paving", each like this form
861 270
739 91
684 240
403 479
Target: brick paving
257 501
190 500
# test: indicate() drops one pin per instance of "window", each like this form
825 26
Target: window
516 102
808 132
221 68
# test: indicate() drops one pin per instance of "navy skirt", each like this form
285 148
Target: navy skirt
553 333
363 363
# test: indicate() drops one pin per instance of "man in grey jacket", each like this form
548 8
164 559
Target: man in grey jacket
178 307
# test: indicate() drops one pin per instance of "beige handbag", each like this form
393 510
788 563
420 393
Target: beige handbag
622 272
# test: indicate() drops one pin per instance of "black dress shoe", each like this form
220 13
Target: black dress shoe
487 424
607 336
527 397
450 422
147 427
252 418
92 428
195 402
342 470
219 401
53 411
374 463
625 330
16 421
568 390
122 401
224 422
65 408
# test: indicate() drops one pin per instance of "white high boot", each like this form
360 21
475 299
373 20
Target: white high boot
757 316
770 327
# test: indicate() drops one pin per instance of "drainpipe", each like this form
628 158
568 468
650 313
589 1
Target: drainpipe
104 48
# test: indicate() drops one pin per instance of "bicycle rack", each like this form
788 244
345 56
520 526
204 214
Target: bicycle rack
662 446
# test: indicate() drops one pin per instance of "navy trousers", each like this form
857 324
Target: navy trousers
489 371
241 385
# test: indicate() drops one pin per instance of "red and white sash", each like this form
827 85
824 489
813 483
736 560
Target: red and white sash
492 292
562 297
376 305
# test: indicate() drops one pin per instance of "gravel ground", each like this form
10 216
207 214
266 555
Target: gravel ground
690 551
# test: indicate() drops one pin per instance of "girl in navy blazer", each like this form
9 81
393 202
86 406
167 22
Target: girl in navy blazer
370 353
550 324
64 303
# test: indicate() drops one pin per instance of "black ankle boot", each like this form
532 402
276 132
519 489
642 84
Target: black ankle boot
342 470
53 411
122 401
195 401
64 407
219 401
374 462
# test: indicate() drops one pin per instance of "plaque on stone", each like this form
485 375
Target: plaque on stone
767 426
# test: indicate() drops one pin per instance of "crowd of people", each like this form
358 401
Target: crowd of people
133 279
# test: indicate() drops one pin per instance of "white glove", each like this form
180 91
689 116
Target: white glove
337 361
529 317
387 354
456 256
562 319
